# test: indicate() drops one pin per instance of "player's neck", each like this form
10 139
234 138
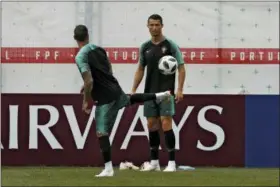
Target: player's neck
82 44
158 39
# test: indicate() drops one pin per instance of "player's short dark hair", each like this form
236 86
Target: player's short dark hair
81 33
155 17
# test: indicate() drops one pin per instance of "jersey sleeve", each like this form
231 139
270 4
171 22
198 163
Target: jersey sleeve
82 63
141 56
176 52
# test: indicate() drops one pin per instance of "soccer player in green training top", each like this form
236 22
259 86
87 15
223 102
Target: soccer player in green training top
101 86
159 113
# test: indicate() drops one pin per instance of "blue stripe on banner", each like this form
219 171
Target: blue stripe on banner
262 131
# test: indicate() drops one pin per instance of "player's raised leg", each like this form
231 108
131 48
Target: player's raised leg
158 97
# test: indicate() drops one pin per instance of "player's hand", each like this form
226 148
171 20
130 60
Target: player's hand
85 107
179 96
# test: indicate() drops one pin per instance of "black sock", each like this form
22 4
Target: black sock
139 98
105 147
170 144
154 144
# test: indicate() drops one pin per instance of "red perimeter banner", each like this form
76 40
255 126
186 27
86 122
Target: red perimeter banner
131 55
51 129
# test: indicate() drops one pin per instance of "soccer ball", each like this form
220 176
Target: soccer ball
167 65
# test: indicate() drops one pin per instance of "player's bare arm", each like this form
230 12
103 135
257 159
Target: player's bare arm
139 74
181 71
88 84
181 81
87 88
181 77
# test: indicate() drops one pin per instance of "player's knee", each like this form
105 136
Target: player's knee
152 127
166 123
153 124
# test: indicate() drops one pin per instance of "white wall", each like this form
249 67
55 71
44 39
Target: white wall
191 24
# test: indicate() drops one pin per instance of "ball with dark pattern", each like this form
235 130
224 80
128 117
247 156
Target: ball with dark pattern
168 65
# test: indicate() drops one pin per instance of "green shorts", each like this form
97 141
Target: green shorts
105 115
165 108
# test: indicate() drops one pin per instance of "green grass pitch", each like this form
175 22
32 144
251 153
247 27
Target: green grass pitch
84 176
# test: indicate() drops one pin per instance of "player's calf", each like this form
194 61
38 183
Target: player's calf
170 142
154 141
154 146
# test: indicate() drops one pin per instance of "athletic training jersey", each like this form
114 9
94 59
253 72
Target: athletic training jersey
150 55
105 86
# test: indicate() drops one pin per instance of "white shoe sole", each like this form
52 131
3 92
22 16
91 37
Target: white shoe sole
104 176
169 170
